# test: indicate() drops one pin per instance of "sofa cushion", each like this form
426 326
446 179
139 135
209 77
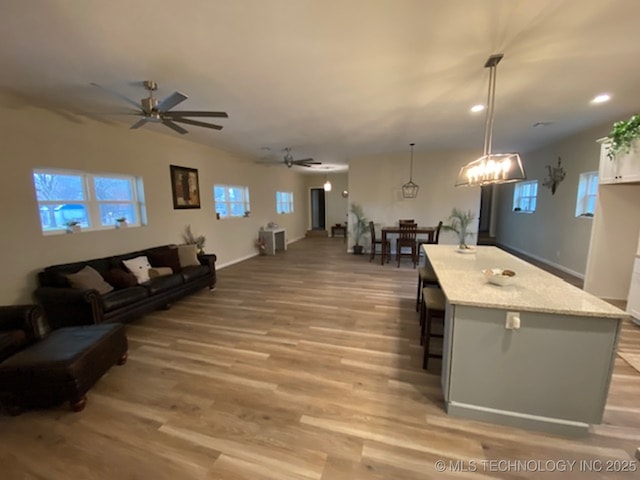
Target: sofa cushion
160 284
165 257
89 278
189 273
156 272
139 266
188 255
10 342
120 278
122 298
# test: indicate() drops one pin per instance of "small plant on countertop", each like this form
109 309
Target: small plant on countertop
460 222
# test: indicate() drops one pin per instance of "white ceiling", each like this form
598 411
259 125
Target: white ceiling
333 79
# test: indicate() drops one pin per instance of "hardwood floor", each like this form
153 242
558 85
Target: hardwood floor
303 365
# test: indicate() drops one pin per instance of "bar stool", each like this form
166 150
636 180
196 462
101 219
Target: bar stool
426 278
433 306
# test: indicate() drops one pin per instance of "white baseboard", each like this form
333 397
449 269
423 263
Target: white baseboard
220 266
545 261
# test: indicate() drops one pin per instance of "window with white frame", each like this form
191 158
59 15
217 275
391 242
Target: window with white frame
587 192
525 195
231 201
284 202
93 201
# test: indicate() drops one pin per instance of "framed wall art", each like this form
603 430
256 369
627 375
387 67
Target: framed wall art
184 187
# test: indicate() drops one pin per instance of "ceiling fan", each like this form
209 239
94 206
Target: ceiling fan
153 110
304 162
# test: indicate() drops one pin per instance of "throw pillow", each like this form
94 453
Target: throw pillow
120 279
156 272
139 266
188 255
89 278
167 257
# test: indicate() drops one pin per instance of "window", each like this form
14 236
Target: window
93 201
524 197
587 191
284 202
231 201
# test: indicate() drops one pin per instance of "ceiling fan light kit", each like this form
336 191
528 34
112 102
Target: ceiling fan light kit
491 168
153 110
410 189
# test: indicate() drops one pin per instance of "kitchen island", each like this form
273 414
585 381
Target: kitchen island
549 371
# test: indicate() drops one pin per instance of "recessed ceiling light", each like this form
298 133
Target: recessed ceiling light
603 97
477 108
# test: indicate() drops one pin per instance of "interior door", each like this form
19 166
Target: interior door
317 209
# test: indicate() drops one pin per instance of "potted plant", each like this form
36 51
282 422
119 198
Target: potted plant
191 239
360 226
73 226
623 135
121 222
460 222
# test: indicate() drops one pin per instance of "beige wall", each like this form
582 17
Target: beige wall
553 233
40 138
375 183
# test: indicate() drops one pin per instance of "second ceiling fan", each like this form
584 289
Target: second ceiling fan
289 161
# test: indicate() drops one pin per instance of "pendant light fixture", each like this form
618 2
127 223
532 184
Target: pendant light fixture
410 189
491 167
327 184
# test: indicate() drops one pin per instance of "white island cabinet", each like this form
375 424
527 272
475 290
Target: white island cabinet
551 373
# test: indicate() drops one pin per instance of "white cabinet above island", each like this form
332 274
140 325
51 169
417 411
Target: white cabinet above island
551 373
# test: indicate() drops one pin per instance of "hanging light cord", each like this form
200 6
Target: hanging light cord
411 164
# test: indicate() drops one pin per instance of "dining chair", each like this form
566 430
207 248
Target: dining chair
407 239
375 242
406 220
433 238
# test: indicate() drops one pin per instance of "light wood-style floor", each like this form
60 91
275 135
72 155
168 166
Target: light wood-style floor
304 365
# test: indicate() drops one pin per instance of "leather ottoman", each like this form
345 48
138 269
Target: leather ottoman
61 367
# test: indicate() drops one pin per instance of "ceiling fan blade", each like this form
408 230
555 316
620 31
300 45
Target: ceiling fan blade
306 162
191 113
196 123
171 101
174 126
139 123
303 160
119 95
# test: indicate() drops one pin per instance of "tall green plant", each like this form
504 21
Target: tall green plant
360 223
622 136
459 223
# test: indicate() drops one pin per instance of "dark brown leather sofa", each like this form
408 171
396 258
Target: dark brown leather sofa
67 306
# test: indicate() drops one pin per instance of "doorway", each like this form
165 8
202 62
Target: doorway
486 225
318 221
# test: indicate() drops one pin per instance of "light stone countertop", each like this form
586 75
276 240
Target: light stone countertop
533 289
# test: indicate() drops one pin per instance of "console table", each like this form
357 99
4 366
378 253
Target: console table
274 239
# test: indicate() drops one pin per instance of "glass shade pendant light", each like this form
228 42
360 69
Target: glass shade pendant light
491 168
327 184
410 189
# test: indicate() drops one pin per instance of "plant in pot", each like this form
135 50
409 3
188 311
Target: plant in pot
460 221
360 226
623 135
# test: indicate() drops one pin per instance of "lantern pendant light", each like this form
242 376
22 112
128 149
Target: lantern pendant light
491 168
410 189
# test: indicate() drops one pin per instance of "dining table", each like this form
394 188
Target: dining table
429 231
